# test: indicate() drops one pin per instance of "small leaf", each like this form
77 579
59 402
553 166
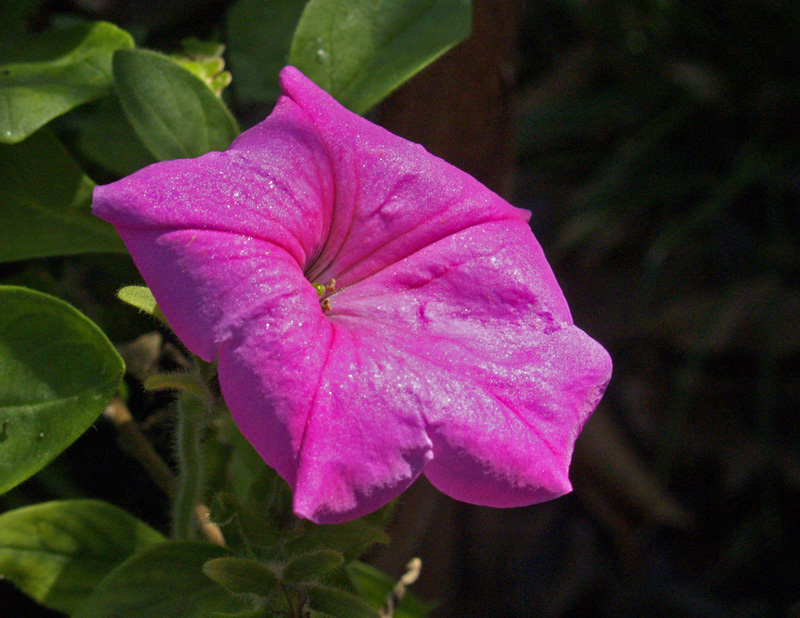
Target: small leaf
164 581
141 297
204 59
338 603
195 48
57 552
259 35
52 72
255 531
59 371
351 538
271 497
45 203
374 586
173 112
361 50
242 575
310 566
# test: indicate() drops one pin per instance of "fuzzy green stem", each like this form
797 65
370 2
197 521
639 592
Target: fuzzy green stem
191 421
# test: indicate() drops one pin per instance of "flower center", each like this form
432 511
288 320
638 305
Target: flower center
324 292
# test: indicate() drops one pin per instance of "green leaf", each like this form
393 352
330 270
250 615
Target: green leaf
248 613
361 50
242 575
351 538
241 523
204 59
339 603
57 552
164 581
310 566
173 111
45 203
50 73
375 585
106 138
142 298
58 372
259 35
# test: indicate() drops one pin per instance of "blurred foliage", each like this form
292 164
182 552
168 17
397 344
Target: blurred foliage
660 149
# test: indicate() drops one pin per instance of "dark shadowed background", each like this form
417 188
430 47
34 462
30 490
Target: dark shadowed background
657 144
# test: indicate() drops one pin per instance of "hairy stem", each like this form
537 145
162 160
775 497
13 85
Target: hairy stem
133 441
191 421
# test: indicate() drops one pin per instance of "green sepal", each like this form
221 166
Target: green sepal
350 538
271 497
248 613
310 566
338 603
257 532
242 575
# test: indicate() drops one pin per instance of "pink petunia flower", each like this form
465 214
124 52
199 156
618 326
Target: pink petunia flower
435 338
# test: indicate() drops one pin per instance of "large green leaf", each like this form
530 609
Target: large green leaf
57 372
57 552
45 203
165 581
50 73
174 113
361 50
259 35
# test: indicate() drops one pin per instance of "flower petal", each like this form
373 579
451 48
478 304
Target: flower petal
365 441
446 345
392 197
282 191
509 380
264 325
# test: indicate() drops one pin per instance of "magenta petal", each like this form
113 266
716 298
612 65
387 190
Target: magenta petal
510 381
392 197
445 345
365 441
283 192
262 320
